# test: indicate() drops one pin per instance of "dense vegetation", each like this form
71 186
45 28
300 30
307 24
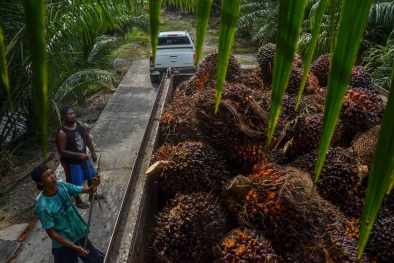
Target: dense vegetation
80 36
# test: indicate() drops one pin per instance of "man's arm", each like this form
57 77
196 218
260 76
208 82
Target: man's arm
64 242
61 144
89 143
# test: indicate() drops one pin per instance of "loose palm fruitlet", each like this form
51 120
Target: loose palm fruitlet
381 241
361 110
364 146
321 69
178 122
339 181
206 73
265 58
360 79
248 246
188 229
192 167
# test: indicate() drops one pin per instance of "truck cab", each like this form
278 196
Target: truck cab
175 50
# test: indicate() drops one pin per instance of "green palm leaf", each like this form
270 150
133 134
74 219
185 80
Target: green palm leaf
3 64
315 33
351 27
203 11
289 22
35 15
154 14
228 22
381 176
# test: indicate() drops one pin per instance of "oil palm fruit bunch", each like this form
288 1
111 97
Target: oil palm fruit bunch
240 125
293 86
284 204
380 244
192 167
188 228
342 248
177 123
245 245
302 253
360 79
265 58
253 80
361 110
364 146
188 86
303 135
339 181
206 72
321 69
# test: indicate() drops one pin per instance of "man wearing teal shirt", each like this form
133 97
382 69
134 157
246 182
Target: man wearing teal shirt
61 220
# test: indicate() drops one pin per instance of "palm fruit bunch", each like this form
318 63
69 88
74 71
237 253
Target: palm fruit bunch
188 228
380 244
283 203
364 146
360 79
240 125
293 85
360 111
343 248
245 245
206 73
321 69
303 135
302 253
177 123
192 166
265 58
187 86
339 181
253 80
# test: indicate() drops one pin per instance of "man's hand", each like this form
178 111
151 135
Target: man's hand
96 180
83 157
82 251
94 157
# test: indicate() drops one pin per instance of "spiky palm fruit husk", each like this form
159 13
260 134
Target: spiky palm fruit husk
284 204
239 127
178 122
245 245
364 146
360 79
343 248
361 110
265 58
293 86
188 228
206 73
339 181
380 244
192 167
321 69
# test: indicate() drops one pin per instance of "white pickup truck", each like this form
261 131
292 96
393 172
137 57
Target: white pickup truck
175 50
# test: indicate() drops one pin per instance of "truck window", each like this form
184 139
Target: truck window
173 41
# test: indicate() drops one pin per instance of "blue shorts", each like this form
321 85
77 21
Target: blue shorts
80 172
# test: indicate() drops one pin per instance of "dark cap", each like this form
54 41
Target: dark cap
36 175
64 110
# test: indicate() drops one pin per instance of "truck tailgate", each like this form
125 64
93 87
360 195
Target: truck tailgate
174 58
